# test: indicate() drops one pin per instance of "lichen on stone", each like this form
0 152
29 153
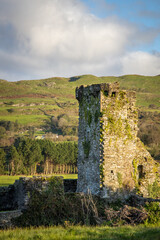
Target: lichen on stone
109 148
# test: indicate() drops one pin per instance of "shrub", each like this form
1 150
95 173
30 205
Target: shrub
2 132
154 190
53 207
153 210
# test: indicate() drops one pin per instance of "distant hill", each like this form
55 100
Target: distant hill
36 107
32 102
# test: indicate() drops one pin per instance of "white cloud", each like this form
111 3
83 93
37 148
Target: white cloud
61 38
141 63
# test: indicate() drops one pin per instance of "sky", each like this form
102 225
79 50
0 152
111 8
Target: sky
64 38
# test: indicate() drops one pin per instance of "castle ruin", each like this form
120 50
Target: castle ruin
112 161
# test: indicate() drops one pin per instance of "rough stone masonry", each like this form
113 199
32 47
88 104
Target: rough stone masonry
112 161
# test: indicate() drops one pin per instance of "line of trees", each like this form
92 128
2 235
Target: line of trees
28 156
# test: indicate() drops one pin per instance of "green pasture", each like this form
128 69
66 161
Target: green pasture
83 233
6 180
27 100
146 99
140 83
25 119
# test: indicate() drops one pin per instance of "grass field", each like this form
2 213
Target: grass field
6 180
23 119
83 233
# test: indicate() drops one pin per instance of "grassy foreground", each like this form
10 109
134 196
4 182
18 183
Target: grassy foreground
6 180
85 233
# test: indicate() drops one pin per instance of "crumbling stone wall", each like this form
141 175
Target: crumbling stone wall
110 156
7 217
16 196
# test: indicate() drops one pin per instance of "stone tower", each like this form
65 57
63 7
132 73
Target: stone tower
112 161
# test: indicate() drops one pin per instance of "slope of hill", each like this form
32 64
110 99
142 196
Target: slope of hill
34 101
50 104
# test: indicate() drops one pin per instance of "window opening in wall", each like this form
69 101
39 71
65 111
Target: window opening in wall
140 173
113 94
111 171
106 93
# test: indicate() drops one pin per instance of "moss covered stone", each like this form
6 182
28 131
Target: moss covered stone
110 154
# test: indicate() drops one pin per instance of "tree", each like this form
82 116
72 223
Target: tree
2 161
30 153
31 132
15 163
10 126
2 132
42 156
16 125
48 151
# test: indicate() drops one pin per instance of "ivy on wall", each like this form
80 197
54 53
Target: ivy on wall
86 147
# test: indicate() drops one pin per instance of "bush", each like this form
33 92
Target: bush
154 190
153 210
53 207
2 132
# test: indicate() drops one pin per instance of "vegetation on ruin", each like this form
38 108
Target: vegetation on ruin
87 106
119 177
101 173
135 173
115 126
88 116
154 190
128 130
86 147
96 116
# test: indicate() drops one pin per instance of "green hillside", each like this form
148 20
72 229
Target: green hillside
33 102
49 105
